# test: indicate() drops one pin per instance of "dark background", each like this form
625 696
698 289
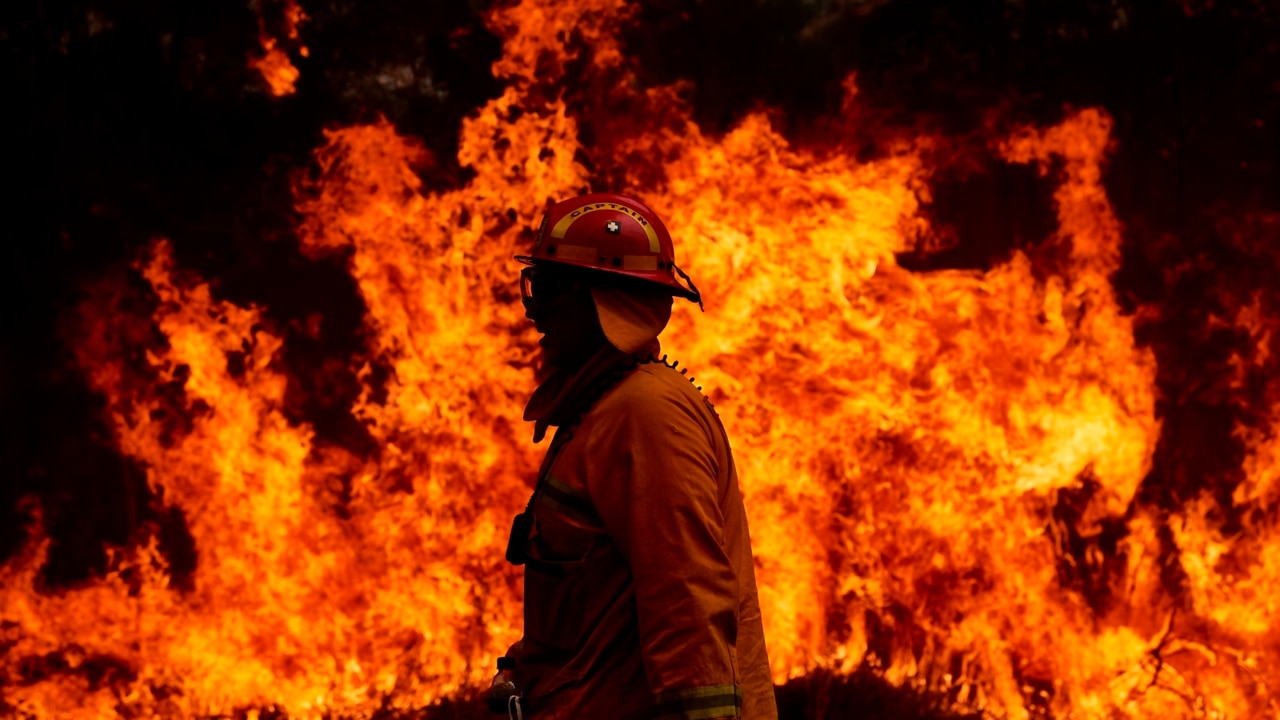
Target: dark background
127 121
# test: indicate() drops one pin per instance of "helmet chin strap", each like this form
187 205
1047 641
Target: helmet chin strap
697 296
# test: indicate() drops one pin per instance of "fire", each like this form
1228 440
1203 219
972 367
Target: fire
276 68
904 437
933 463
274 64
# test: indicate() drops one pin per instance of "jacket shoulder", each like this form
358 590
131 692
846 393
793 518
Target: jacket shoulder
655 390
656 383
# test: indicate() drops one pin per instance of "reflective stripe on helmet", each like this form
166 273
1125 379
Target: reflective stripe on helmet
644 263
580 253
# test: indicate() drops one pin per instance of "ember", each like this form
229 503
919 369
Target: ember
274 63
1042 484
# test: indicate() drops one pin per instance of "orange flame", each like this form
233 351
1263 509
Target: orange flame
906 441
274 64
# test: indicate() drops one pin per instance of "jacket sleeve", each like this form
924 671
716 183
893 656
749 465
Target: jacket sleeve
655 486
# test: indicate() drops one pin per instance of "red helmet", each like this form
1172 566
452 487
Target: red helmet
613 234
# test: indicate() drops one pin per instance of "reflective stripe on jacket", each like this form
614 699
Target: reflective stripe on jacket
640 595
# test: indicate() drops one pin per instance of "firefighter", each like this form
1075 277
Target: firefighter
640 594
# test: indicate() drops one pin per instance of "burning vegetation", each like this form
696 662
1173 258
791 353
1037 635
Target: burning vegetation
992 321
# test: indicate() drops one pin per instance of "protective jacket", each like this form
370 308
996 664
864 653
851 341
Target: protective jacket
640 594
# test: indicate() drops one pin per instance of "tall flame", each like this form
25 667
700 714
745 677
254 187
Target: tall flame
929 460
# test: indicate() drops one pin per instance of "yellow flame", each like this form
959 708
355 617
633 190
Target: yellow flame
903 438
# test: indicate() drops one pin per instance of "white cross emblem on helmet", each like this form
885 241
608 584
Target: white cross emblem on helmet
613 227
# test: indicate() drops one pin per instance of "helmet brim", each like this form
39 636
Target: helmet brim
674 287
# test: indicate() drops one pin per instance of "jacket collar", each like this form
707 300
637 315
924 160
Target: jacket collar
559 398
